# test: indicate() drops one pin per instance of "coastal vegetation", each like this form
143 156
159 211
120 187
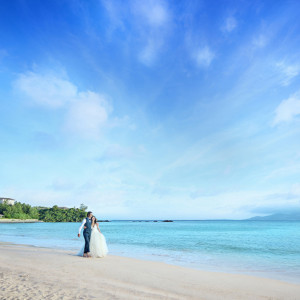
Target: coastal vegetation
54 214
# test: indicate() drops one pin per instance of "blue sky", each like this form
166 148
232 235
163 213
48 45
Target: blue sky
151 109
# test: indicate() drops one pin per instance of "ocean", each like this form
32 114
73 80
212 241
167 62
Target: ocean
264 248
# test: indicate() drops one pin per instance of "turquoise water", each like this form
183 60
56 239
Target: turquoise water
264 248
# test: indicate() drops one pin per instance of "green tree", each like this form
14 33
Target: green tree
53 214
83 207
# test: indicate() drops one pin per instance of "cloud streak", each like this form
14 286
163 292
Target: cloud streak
289 72
287 110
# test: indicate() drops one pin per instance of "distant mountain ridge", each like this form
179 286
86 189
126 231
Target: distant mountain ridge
294 216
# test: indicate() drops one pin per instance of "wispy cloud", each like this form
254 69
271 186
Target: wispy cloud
125 122
153 12
148 54
249 203
288 109
87 115
116 152
289 72
229 24
3 53
260 41
204 56
46 90
153 18
86 112
150 24
115 13
290 169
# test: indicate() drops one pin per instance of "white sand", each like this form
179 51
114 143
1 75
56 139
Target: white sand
3 220
38 273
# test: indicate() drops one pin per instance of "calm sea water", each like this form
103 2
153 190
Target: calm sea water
265 248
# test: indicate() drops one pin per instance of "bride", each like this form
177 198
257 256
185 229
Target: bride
98 247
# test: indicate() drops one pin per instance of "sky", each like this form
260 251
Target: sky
151 109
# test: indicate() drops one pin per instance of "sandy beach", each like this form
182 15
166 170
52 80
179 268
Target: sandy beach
39 273
2 220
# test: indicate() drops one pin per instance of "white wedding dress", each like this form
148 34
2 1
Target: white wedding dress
98 246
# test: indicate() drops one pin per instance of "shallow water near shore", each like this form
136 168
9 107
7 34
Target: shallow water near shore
265 248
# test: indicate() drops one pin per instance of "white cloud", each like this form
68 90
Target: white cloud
153 12
149 52
288 109
46 89
115 14
289 71
86 112
282 172
152 20
295 189
229 24
204 57
260 41
87 115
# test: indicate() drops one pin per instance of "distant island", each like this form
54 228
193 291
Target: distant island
22 211
292 216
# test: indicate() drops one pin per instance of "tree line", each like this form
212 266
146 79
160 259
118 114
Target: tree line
46 214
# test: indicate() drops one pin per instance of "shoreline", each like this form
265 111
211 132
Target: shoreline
152 258
39 273
7 221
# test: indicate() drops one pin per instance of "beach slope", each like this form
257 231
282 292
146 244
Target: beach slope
39 273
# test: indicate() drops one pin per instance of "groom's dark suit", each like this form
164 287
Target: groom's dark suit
87 234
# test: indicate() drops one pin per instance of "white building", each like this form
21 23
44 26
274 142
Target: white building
7 201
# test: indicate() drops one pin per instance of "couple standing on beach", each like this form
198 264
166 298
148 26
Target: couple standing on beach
94 240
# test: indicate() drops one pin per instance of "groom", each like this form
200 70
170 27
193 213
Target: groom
87 222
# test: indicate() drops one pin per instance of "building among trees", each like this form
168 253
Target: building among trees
9 201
